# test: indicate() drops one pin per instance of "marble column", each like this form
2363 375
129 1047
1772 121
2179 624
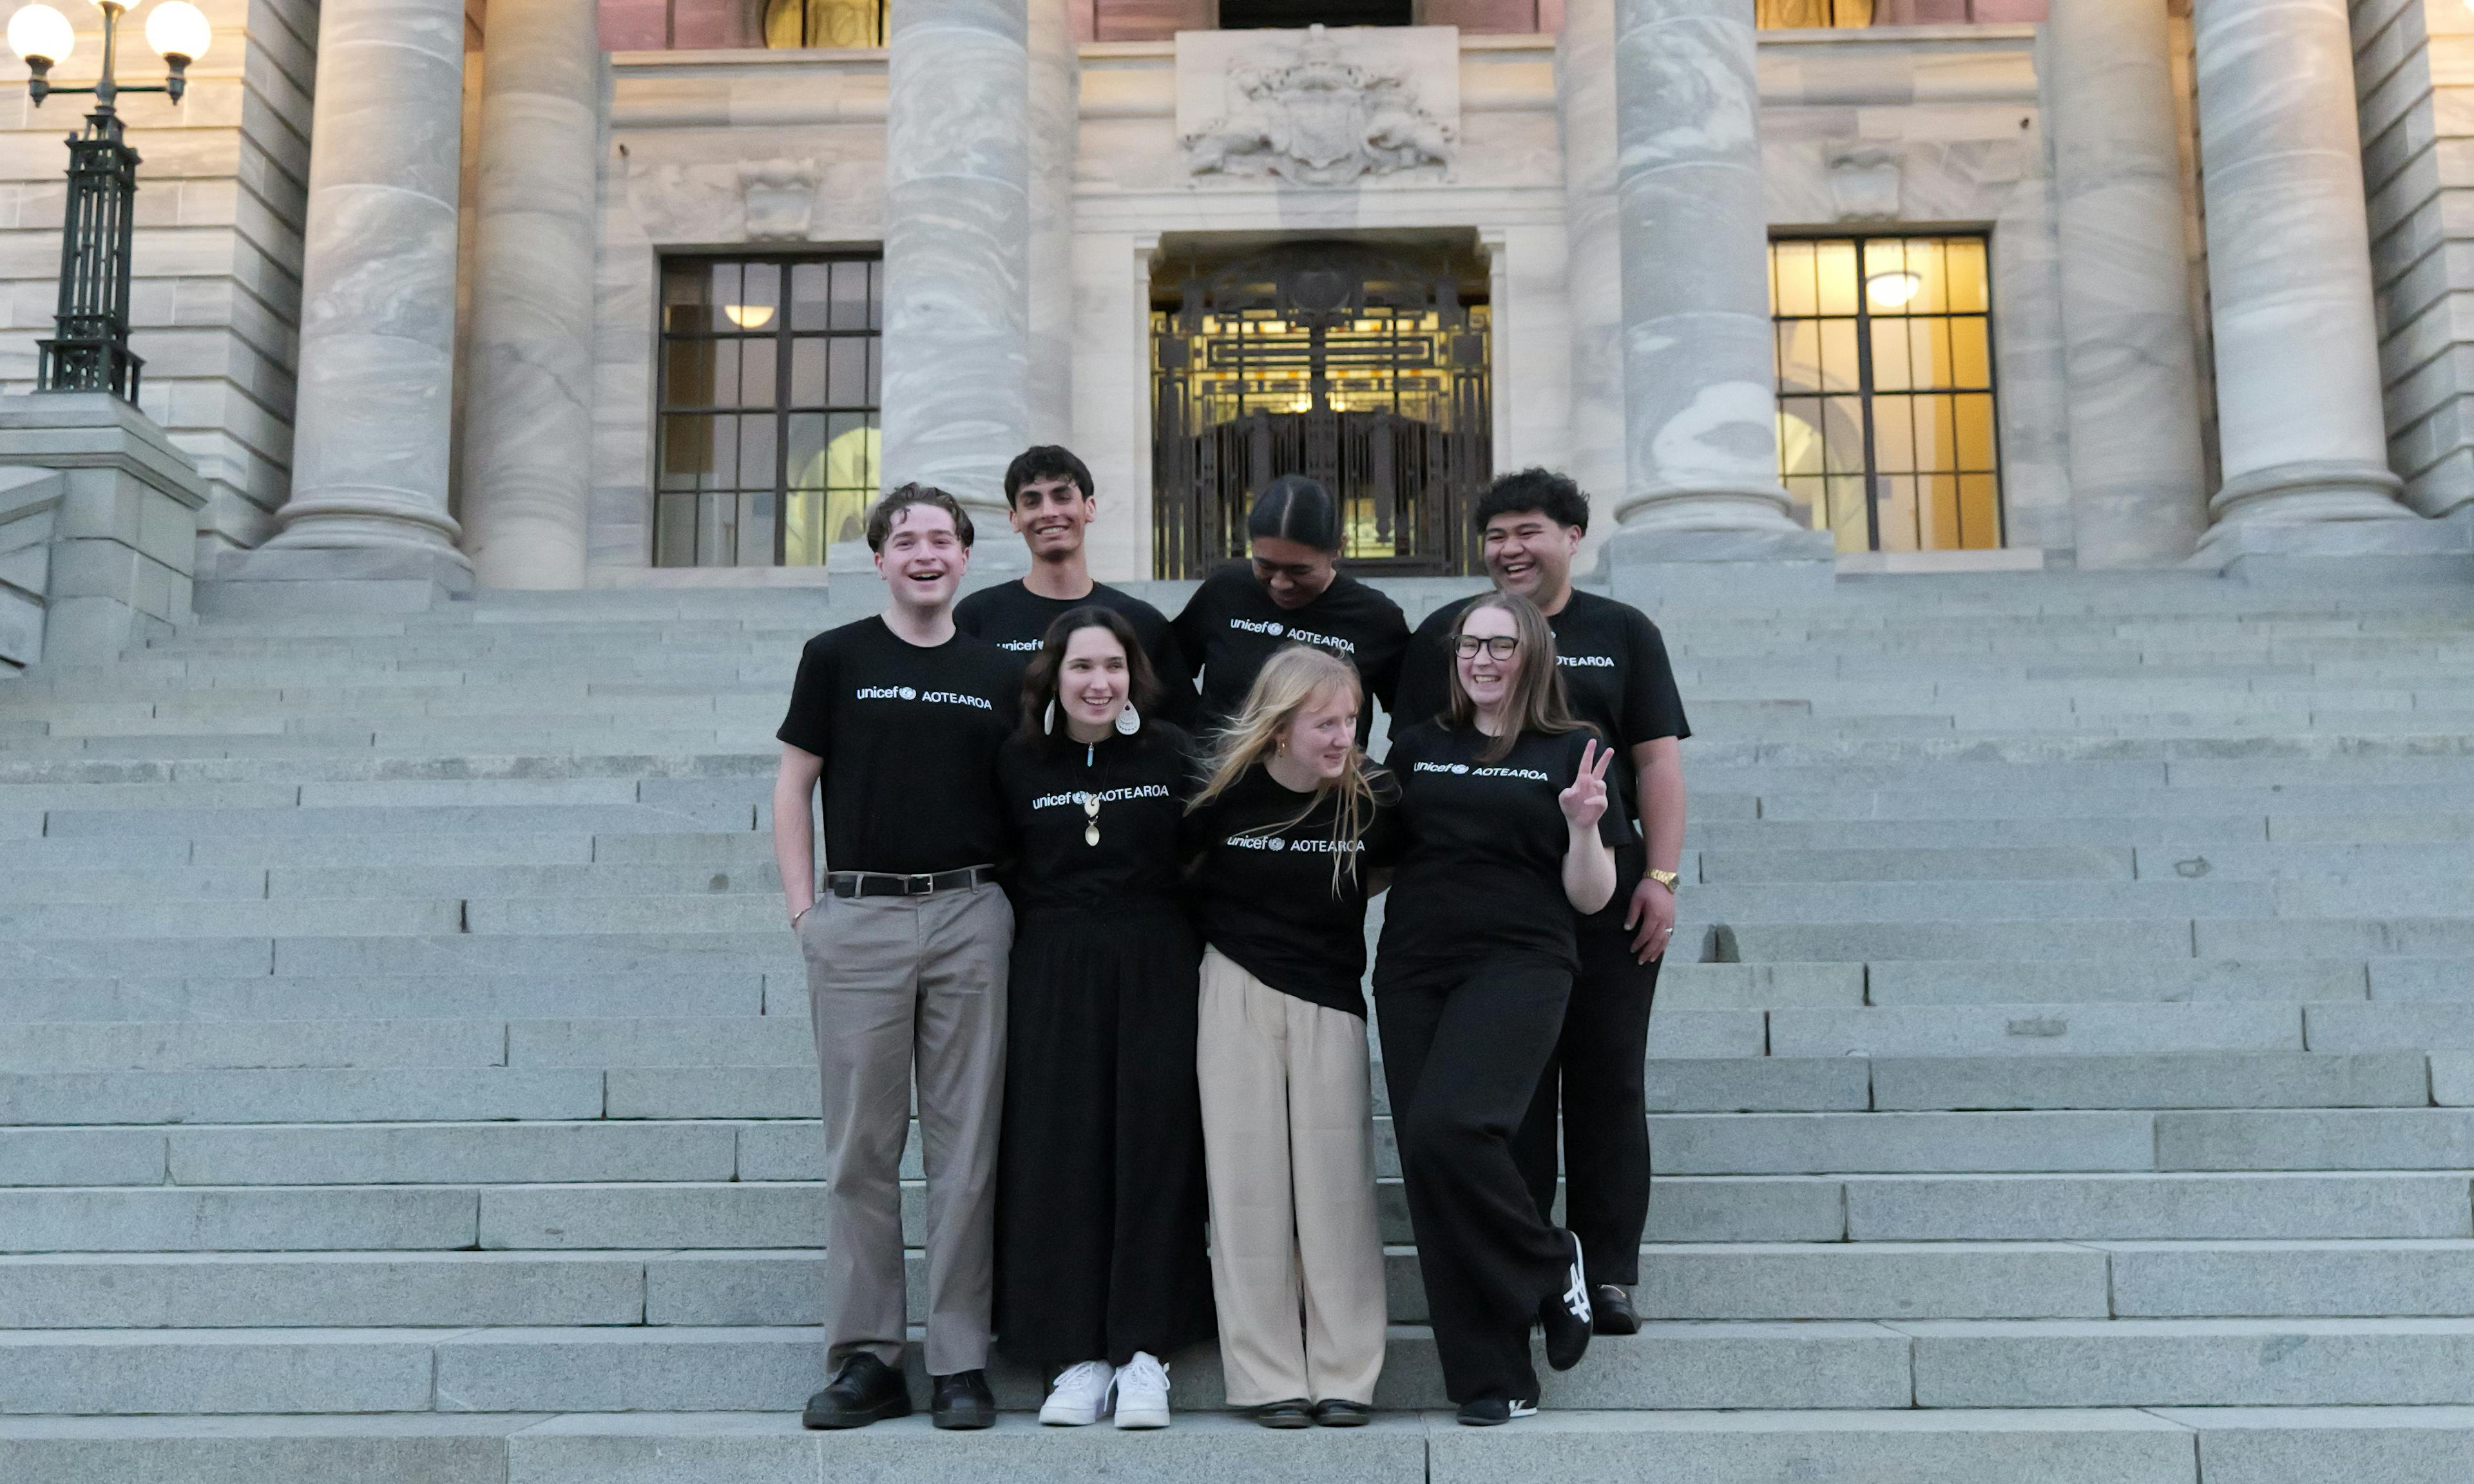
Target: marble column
1055 121
1584 99
1700 378
371 421
2290 272
957 223
528 419
2137 459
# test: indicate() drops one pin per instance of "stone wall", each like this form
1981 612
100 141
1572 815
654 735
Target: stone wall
2414 72
217 258
1938 127
689 133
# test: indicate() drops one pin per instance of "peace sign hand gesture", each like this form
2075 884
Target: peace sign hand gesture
1586 800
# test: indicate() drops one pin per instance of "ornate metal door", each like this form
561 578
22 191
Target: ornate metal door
1358 366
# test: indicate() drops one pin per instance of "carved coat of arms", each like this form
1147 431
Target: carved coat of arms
1313 113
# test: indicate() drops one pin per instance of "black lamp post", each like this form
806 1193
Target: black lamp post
90 351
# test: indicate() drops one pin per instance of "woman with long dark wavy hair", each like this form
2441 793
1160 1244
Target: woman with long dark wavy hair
1100 1206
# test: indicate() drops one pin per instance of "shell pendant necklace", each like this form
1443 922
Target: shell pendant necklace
1090 799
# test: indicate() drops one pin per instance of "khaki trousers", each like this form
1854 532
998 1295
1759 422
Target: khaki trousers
1288 1135
893 981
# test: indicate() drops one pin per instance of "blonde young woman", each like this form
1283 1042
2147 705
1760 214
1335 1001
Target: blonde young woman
1287 834
1505 835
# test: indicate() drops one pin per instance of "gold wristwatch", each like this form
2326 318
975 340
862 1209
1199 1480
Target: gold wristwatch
1665 878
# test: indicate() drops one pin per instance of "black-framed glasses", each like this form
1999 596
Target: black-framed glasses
1502 646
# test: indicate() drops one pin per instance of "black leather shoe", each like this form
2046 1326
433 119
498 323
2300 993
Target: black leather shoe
1612 1311
1342 1414
1565 1314
863 1391
963 1402
1285 1415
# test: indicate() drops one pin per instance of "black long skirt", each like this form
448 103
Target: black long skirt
1101 1200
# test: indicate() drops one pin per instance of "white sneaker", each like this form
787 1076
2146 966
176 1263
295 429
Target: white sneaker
1080 1397
1142 1392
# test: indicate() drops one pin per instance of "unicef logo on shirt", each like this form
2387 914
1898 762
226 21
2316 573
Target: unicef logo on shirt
1459 767
1278 843
908 694
1273 630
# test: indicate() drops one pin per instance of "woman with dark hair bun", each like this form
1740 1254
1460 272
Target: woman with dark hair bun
1291 591
1102 1269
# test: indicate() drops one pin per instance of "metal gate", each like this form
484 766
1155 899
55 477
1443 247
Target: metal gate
1361 367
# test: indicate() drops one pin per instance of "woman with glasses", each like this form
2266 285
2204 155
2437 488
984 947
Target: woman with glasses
1101 1265
1505 834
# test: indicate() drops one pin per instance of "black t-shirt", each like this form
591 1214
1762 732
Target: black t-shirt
909 736
1016 619
1481 867
1141 783
1231 626
1264 889
1616 676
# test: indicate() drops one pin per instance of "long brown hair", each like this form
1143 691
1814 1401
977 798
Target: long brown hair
1293 678
1537 703
1039 680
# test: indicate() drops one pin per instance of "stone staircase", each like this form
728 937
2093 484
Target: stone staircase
404 1075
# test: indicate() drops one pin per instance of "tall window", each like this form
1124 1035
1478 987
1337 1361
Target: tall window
1886 428
824 22
767 437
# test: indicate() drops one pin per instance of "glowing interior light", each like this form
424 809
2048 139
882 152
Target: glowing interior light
1898 290
748 317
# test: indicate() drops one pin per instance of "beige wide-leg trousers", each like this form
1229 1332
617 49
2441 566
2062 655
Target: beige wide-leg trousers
1288 1135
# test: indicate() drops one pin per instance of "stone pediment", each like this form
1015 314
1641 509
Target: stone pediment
1319 107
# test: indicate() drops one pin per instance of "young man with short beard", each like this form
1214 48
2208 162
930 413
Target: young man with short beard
901 717
1051 502
1616 672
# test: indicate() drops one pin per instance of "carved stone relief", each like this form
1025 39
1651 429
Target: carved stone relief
1864 182
1318 107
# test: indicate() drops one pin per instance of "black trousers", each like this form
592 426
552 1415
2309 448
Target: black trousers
1462 1051
1597 1073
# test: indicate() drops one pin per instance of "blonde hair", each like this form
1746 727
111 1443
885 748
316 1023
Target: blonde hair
1537 700
1293 678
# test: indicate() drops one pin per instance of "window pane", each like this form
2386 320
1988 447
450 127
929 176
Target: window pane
1976 433
1834 272
1937 511
1895 507
716 528
850 296
1980 511
1800 441
1971 359
689 454
849 381
687 374
756 384
810 296
808 372
1894 434
1891 371
1841 369
756 527
1844 424
756 460
1928 342
1792 282
725 372
674 518
1849 518
1968 280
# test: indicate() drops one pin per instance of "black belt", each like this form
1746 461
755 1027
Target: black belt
881 883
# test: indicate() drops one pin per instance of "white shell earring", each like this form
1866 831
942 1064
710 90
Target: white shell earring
1128 720
1048 721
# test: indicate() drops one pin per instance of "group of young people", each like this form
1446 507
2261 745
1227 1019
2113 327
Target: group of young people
1101 879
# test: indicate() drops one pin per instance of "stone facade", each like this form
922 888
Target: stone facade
2122 437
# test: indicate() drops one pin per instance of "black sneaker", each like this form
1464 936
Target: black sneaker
1285 1415
1565 1316
1614 1313
1342 1414
863 1391
1494 1411
963 1402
